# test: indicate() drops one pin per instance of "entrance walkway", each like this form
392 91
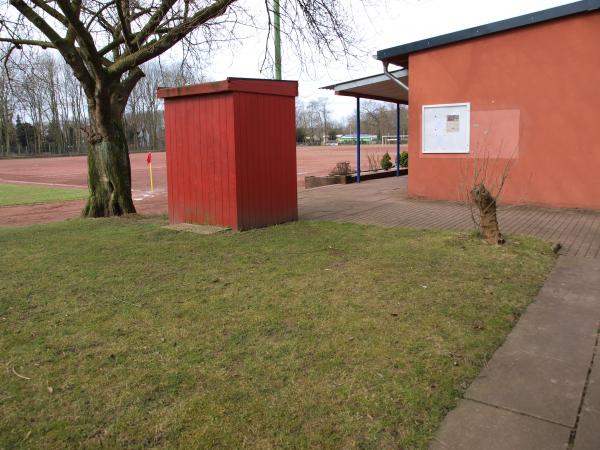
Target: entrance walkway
541 389
385 202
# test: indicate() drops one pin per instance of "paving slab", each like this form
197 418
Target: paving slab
588 429
475 426
574 286
559 296
536 335
544 314
545 388
579 274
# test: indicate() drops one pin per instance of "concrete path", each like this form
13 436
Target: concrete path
541 389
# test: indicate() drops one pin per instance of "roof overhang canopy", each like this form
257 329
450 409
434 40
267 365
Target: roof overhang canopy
377 87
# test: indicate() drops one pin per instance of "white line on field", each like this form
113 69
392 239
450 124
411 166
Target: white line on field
79 186
3 180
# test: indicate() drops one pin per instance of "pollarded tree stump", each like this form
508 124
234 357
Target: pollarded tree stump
488 220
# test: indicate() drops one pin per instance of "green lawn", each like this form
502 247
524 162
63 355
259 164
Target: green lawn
118 333
23 194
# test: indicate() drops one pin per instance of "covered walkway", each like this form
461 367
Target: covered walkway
391 87
385 202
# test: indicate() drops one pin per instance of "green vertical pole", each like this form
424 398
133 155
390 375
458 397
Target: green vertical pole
277 26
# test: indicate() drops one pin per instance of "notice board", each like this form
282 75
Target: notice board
446 128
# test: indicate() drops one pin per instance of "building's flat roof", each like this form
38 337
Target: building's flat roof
399 55
376 87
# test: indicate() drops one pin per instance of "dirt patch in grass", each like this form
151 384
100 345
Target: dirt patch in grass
118 333
23 194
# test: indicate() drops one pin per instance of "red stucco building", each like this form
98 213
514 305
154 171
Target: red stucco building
522 94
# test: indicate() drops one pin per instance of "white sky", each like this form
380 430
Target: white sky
391 23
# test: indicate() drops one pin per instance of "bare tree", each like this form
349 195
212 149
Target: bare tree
143 115
72 106
323 103
374 114
483 180
33 102
50 103
7 107
105 43
378 118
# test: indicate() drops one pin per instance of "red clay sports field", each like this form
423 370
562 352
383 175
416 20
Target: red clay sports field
72 172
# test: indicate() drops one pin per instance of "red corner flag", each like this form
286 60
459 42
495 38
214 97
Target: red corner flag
149 164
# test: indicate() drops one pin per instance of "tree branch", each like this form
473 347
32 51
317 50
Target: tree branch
122 11
50 11
131 80
168 40
19 42
154 21
67 50
83 37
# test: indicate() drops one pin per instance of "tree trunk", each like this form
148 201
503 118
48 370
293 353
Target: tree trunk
109 170
488 220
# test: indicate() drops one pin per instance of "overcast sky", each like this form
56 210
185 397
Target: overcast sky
390 23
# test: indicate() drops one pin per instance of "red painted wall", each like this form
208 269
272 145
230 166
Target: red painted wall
535 104
231 153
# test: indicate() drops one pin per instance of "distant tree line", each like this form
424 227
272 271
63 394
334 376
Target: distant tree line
315 125
43 109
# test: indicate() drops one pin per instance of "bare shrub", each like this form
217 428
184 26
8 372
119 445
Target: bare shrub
341 168
373 161
482 187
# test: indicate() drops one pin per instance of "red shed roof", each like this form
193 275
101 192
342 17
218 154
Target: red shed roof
251 85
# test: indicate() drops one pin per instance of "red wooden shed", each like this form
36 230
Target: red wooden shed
231 152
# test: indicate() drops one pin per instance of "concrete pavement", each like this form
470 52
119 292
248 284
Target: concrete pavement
541 389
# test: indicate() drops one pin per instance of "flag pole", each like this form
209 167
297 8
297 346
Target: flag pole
149 162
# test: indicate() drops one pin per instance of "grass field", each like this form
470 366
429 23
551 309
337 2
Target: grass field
118 333
23 194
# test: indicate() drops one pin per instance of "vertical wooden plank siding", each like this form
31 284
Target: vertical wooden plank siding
199 177
231 153
170 155
266 149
